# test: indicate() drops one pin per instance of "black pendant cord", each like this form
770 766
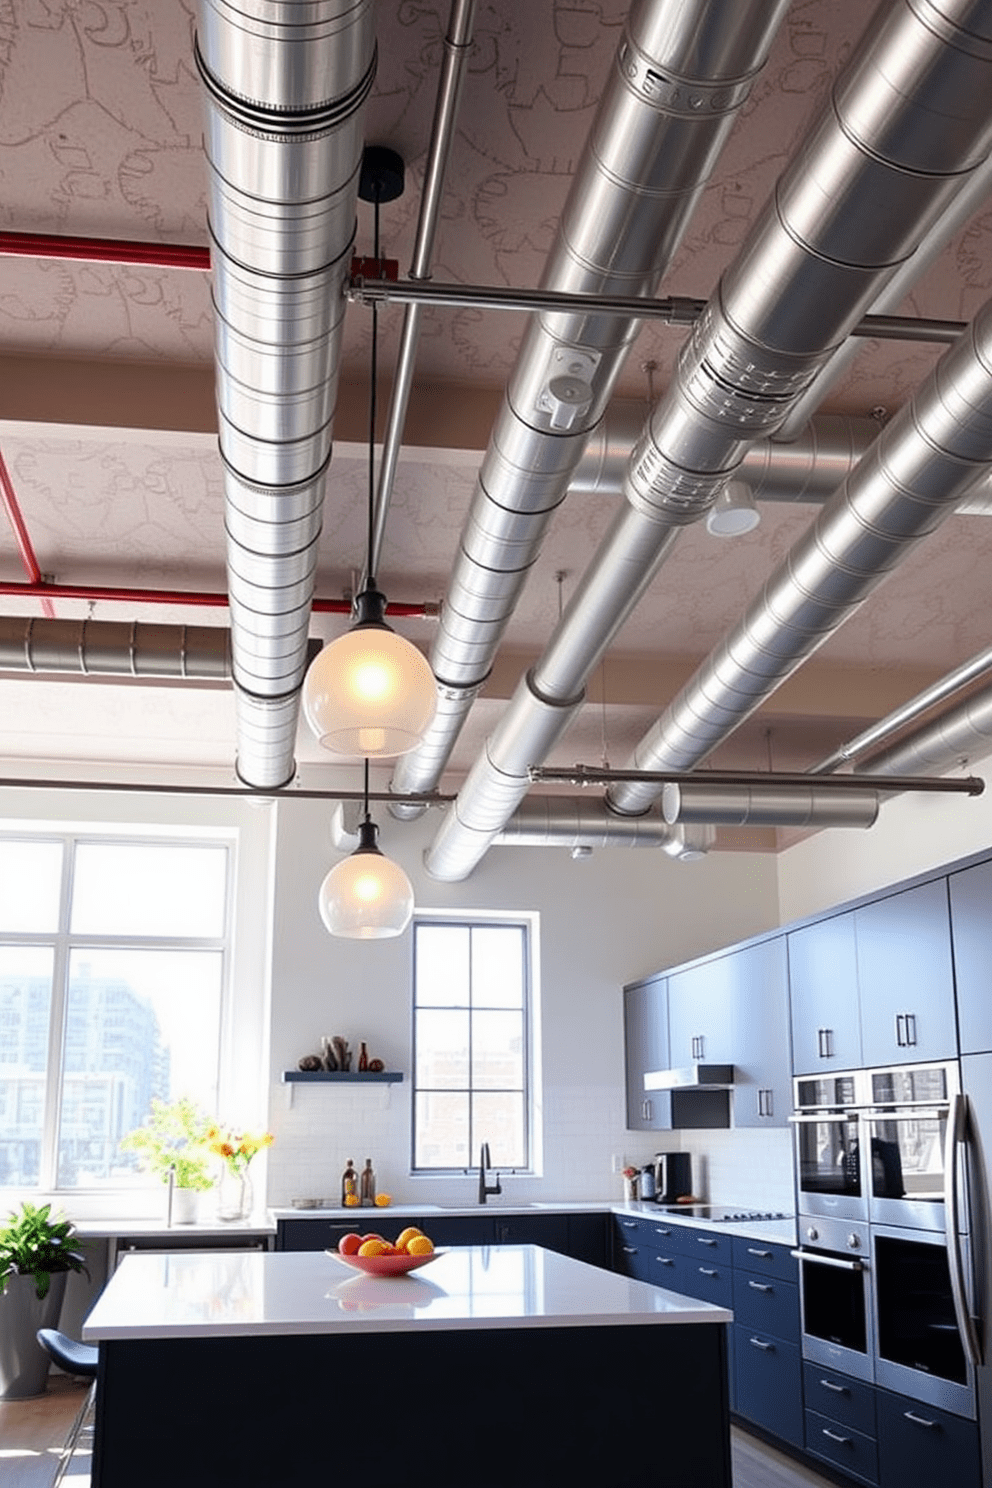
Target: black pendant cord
368 814
370 534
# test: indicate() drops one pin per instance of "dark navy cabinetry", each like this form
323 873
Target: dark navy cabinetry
585 1236
920 1447
767 1365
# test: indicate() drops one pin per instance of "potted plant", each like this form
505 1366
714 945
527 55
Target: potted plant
173 1143
36 1255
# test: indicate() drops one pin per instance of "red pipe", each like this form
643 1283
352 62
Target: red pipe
104 250
38 588
21 535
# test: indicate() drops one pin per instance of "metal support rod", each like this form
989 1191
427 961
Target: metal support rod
969 671
428 610
675 310
247 793
104 250
457 45
22 536
969 785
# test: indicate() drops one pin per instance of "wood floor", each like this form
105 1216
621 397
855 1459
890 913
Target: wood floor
32 1433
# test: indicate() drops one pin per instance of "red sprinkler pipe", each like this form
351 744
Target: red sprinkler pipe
104 250
21 535
39 589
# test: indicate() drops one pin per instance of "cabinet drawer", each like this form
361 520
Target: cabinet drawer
769 1305
850 1450
763 1255
919 1446
706 1279
768 1383
673 1239
708 1246
849 1401
324 1234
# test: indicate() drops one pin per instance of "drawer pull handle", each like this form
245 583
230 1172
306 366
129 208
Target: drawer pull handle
759 1343
630 1250
765 1255
837 1389
664 1260
759 1286
708 1271
835 1436
704 1241
921 1421
629 1224
659 1231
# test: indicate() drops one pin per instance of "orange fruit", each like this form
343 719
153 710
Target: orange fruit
372 1235
383 1200
405 1236
373 1248
348 1244
351 1201
420 1245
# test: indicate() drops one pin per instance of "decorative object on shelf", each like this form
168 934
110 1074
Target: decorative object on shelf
349 1186
366 1183
630 1177
335 1054
376 1066
366 896
37 1253
370 692
310 1062
236 1150
363 1058
172 1144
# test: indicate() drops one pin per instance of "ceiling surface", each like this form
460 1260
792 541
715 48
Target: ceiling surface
107 423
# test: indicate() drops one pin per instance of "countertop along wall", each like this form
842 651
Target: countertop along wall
604 921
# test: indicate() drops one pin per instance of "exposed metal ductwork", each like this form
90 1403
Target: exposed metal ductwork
963 732
904 127
284 87
681 75
108 648
563 821
769 806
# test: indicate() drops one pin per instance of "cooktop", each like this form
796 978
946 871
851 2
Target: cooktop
716 1214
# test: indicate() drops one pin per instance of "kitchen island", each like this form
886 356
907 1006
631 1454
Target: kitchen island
489 1366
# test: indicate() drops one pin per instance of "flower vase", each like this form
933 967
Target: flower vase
234 1195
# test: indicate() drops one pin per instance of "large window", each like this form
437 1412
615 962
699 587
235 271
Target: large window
113 964
471 1043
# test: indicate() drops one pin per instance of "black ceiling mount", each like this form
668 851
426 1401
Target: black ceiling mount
382 176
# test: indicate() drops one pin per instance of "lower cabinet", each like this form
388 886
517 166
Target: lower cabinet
767 1361
920 1447
840 1422
324 1234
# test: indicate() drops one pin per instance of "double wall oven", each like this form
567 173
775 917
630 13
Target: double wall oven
886 1280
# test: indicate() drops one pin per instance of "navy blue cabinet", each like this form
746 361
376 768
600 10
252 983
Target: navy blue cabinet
767 1362
823 985
920 1447
971 935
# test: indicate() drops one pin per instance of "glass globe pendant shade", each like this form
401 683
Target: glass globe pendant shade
366 896
370 692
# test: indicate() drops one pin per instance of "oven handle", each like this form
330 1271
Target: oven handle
828 1260
955 1139
849 1113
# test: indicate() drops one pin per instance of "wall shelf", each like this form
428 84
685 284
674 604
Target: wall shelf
328 1077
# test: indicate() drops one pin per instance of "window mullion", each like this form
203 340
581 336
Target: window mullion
56 1024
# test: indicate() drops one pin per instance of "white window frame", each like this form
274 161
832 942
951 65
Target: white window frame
529 921
63 941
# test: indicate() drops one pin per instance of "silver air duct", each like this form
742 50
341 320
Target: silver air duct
284 87
964 732
682 73
561 821
114 649
768 806
904 126
902 490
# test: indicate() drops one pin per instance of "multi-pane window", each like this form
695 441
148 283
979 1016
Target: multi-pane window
471 1043
113 957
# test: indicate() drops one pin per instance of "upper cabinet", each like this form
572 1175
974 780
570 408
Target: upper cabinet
760 1041
971 931
645 1032
823 977
699 1014
906 976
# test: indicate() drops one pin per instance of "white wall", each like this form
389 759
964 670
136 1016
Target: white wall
604 921
914 833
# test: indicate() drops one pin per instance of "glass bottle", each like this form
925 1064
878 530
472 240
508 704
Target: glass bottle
349 1184
363 1058
367 1188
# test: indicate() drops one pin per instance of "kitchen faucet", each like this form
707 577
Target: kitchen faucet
486 1162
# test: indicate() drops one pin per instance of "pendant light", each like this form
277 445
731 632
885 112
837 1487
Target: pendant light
366 896
371 692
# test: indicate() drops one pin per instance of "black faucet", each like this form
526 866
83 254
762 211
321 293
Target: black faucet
485 1162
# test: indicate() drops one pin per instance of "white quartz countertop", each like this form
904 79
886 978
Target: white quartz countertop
252 1294
157 1229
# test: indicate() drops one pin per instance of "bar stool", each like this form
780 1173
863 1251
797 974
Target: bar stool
75 1358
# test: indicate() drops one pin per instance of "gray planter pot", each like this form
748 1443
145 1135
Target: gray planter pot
23 1362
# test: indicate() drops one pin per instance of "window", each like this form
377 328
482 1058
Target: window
113 964
471 1042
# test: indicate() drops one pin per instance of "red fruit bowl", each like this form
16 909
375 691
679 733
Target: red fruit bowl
386 1265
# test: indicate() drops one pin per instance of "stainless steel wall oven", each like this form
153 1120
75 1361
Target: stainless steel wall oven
835 1295
828 1138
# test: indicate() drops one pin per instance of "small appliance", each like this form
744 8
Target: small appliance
672 1176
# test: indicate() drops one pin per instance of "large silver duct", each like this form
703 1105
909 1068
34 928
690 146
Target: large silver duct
768 805
901 491
683 70
284 85
115 649
964 732
904 126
